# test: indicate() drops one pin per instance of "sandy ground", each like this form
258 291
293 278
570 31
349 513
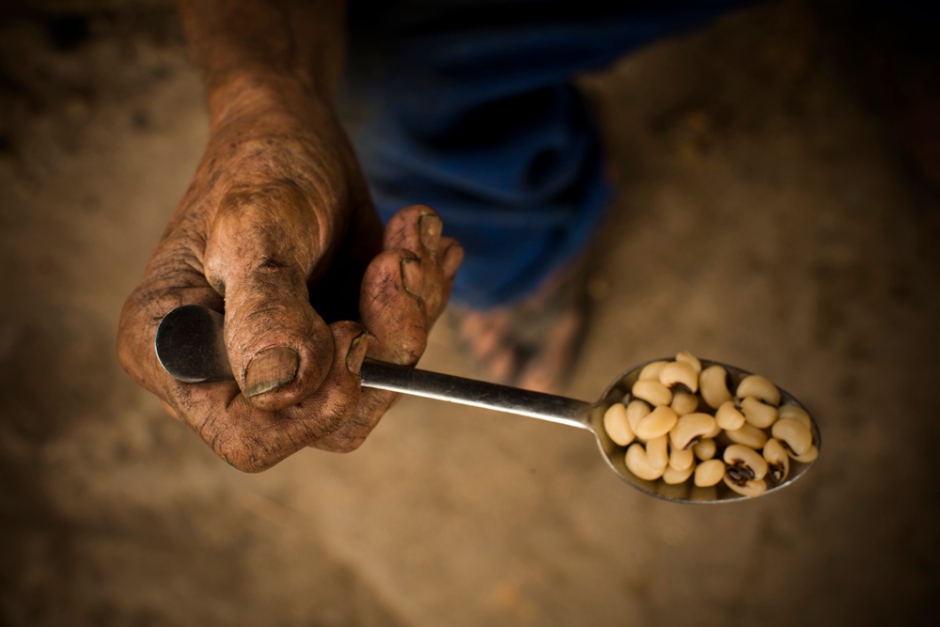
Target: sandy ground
765 218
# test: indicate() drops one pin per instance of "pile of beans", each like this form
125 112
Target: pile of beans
682 422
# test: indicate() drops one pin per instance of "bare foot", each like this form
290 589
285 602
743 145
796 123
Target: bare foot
532 344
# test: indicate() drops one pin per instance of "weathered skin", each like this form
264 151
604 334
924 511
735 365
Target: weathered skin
278 216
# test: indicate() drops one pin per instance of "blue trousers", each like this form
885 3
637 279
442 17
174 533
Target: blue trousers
467 106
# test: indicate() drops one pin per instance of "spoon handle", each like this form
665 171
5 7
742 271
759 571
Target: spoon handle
189 345
453 389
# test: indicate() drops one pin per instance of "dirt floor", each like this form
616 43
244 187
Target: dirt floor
765 217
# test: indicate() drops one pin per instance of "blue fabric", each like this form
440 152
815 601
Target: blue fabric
469 109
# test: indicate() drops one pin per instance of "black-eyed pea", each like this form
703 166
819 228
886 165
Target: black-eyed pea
714 432
657 451
681 459
639 464
729 417
684 403
657 423
705 449
650 371
754 487
636 411
617 426
794 412
744 463
758 413
713 386
748 435
673 476
793 434
653 392
689 429
809 456
709 473
686 357
680 375
778 461
758 387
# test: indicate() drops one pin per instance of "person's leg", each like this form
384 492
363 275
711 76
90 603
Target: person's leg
470 110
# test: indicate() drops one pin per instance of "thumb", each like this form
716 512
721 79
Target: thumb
261 249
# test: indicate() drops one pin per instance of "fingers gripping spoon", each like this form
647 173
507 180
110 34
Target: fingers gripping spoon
190 348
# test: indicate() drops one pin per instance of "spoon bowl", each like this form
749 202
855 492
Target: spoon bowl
614 454
190 348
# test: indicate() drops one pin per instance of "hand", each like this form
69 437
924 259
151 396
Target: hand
278 217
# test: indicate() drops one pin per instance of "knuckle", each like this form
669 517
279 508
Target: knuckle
247 456
128 341
249 466
243 450
350 445
125 354
322 421
342 444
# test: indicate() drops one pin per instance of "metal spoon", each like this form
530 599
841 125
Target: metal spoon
190 347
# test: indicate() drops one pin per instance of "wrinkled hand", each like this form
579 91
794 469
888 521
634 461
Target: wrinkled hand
277 230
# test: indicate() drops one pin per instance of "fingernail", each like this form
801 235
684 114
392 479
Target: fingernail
411 276
356 354
430 226
271 369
